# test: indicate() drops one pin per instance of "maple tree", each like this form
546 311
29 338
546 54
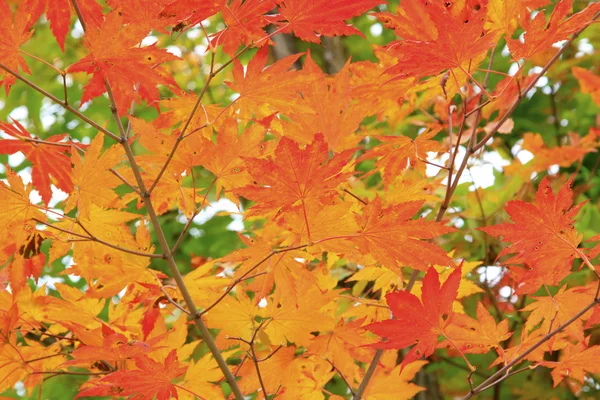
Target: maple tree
286 199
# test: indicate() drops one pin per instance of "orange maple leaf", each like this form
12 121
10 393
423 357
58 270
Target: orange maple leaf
14 31
436 36
574 362
294 176
542 235
397 152
541 35
477 335
264 91
332 110
123 65
190 12
589 82
393 238
419 321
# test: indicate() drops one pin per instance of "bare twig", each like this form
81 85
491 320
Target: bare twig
61 103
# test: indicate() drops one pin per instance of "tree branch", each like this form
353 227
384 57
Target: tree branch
163 241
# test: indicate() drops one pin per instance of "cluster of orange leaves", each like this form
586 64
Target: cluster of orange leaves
290 143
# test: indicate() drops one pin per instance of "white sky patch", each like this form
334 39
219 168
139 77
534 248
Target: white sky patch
225 205
49 281
20 114
376 29
481 172
175 50
149 40
489 274
263 303
77 31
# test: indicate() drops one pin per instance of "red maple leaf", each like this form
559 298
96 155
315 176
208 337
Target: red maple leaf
419 321
150 380
51 164
311 19
120 62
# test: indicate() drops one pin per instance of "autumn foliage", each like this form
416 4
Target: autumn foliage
299 199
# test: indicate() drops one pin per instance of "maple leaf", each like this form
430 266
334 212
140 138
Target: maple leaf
333 112
324 225
244 24
574 362
542 235
52 164
295 323
377 94
92 180
549 311
544 157
294 176
477 335
394 239
225 157
143 13
436 36
307 379
309 20
17 226
14 31
502 16
395 384
190 12
466 288
383 279
396 153
419 321
234 316
58 13
589 82
115 347
264 92
150 380
275 370
178 109
123 65
200 376
541 35
343 345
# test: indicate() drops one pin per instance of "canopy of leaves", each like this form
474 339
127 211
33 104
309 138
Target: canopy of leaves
299 199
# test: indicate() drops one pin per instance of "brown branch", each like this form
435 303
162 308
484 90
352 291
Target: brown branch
164 245
61 103
92 238
497 377
188 225
115 173
247 276
176 304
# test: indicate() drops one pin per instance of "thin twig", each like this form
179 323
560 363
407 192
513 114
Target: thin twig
492 380
61 103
